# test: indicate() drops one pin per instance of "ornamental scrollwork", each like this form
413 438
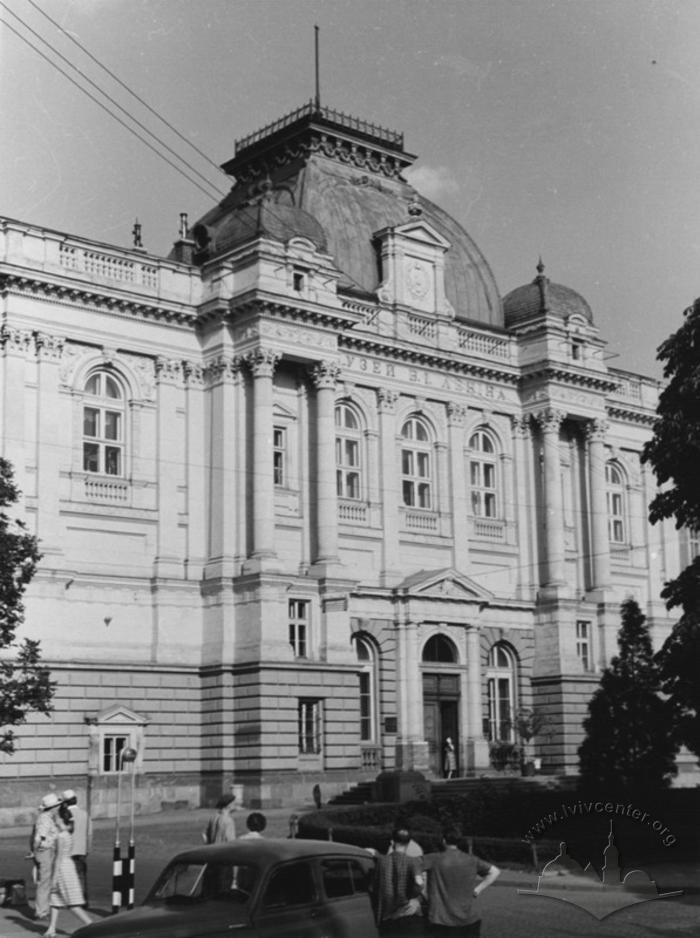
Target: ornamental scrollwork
168 370
262 362
596 430
386 400
48 347
550 420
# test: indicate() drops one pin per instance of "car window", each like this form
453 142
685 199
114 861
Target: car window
343 877
291 884
190 882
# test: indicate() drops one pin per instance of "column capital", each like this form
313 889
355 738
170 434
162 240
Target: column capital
595 430
193 373
386 400
168 370
16 341
550 419
262 362
324 375
48 347
520 425
456 413
222 367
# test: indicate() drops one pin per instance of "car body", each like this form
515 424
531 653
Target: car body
254 888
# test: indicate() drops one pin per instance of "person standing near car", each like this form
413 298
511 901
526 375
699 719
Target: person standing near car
397 889
42 847
81 837
221 828
455 879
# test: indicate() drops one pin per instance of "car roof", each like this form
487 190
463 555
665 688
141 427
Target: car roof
264 851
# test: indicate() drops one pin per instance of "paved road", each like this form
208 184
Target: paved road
505 912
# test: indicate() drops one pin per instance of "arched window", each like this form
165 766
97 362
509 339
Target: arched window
103 425
615 493
348 452
482 475
416 468
500 682
440 650
366 657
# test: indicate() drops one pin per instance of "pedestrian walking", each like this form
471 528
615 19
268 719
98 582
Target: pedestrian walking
256 824
221 827
66 892
450 760
81 837
397 889
42 848
454 880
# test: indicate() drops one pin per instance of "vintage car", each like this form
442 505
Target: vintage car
254 888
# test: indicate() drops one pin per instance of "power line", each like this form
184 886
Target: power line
126 88
106 95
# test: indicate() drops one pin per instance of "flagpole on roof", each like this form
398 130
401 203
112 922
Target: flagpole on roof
317 97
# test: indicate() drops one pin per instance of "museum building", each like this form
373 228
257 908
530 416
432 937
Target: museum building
311 495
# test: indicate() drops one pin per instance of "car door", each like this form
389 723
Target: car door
290 904
345 883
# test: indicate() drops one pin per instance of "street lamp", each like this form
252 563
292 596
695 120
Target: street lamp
120 885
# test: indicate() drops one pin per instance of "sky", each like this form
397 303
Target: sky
559 128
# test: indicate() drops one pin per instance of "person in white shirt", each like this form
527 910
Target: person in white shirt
256 824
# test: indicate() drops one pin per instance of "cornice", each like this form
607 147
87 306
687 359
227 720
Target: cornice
428 358
550 372
52 292
631 416
255 304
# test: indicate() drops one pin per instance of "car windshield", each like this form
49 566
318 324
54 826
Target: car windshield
198 882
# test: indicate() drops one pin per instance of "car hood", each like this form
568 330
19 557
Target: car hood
170 920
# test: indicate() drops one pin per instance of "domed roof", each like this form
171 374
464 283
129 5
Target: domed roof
337 181
272 214
540 297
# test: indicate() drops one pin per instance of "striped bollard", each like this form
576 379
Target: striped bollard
129 897
117 879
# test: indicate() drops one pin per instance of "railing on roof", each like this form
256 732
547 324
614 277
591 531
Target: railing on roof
391 137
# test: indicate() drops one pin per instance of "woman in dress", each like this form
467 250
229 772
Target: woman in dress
450 766
66 891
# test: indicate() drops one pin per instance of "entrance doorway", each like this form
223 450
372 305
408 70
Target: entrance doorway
440 718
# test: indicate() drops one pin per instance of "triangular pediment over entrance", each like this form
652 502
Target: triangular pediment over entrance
446 583
118 714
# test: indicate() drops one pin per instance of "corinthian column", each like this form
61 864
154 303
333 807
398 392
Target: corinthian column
262 364
550 421
48 461
324 376
600 543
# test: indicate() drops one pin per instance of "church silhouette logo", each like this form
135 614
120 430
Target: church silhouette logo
600 895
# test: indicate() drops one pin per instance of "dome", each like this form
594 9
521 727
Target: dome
337 181
540 297
272 215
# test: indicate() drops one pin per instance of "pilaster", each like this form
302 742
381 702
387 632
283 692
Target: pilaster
550 422
600 543
324 376
386 405
456 414
49 450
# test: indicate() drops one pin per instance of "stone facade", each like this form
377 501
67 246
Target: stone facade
294 531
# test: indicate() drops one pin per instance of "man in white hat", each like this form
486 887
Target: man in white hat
81 837
43 848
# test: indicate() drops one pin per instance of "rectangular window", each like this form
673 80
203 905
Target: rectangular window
91 457
298 626
91 421
113 425
112 747
365 706
583 648
309 726
279 447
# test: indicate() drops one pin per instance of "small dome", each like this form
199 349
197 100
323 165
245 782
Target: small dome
542 296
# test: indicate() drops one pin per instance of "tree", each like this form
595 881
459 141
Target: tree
24 684
627 739
673 453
